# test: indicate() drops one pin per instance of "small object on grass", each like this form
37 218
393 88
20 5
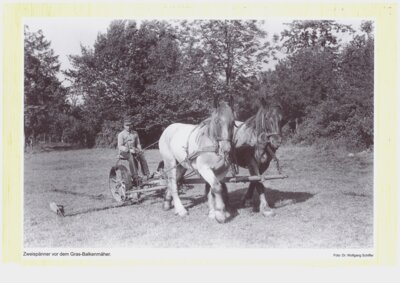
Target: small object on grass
350 154
57 208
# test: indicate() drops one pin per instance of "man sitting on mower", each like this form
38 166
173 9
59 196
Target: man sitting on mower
130 148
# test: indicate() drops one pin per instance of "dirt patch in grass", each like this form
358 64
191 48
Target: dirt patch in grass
327 202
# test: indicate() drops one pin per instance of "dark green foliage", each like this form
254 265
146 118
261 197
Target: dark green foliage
331 91
107 137
44 96
356 90
225 52
160 73
303 80
75 132
113 75
318 34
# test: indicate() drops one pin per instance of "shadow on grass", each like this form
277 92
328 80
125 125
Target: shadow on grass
95 209
275 198
66 192
353 194
100 197
193 201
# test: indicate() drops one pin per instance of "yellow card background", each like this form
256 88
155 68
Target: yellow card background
385 17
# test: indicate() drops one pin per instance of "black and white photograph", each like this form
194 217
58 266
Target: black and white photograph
198 133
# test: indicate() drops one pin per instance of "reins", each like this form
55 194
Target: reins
150 145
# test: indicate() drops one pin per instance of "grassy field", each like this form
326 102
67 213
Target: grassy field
327 202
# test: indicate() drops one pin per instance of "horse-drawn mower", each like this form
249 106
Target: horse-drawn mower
125 188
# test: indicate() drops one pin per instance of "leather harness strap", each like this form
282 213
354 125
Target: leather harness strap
270 151
190 157
195 154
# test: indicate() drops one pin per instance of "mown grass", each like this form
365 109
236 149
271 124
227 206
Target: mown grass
327 202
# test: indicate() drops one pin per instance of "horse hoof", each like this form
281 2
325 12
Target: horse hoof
268 213
166 205
220 216
182 213
211 214
135 196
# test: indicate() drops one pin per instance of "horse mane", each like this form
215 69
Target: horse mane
260 124
257 121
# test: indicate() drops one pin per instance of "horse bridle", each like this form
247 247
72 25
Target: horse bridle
268 146
221 140
217 147
267 136
273 156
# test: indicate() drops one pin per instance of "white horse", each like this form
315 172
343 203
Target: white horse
204 148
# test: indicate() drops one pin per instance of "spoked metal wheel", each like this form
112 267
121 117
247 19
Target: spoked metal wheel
119 183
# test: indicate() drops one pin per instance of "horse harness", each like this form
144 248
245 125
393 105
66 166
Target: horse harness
213 149
267 148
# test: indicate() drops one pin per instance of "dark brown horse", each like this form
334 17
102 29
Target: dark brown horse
255 142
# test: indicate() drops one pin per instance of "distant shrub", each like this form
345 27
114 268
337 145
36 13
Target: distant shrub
107 137
343 115
349 125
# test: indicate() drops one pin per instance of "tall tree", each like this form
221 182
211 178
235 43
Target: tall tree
44 95
305 79
331 88
308 74
133 71
225 52
356 92
319 34
114 74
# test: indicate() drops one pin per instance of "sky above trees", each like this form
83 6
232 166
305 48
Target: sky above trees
68 34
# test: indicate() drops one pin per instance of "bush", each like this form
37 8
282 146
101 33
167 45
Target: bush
345 124
107 137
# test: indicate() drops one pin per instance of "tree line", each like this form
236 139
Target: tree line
161 72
